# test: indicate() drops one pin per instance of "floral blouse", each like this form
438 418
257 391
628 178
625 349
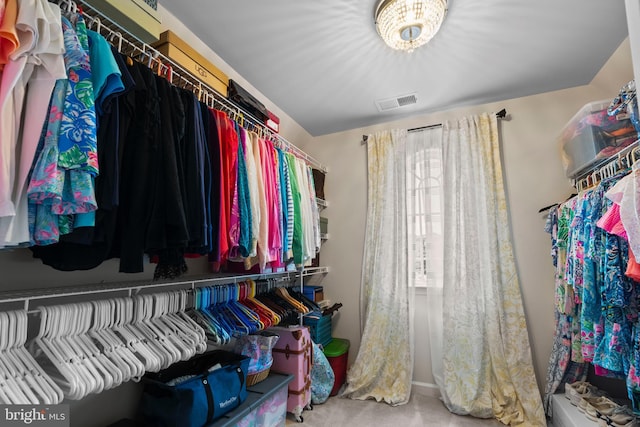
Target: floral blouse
62 180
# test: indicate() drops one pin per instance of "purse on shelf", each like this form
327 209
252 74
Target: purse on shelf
242 98
195 392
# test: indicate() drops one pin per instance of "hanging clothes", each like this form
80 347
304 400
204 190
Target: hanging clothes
297 243
254 198
8 32
139 173
591 254
167 234
215 195
245 236
74 252
263 231
127 165
28 80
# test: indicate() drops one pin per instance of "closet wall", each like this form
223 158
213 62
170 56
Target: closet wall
533 177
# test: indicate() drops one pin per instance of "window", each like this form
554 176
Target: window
424 210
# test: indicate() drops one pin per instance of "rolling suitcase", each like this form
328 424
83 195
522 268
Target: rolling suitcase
292 354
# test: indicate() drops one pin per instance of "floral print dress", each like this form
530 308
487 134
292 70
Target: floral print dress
62 181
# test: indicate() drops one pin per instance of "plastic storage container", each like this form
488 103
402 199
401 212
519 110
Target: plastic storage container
319 327
337 352
592 136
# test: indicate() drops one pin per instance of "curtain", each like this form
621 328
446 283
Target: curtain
487 367
383 368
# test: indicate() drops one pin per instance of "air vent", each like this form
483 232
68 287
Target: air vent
396 102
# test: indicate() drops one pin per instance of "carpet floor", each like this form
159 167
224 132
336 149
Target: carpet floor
421 411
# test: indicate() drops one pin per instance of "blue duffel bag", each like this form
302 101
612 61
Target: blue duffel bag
195 392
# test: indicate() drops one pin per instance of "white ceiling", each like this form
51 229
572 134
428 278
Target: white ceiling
323 63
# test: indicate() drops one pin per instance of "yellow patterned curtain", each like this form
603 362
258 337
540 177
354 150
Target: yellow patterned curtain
486 358
384 365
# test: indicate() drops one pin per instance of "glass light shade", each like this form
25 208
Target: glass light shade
408 24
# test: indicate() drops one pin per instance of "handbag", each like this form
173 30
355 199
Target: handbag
195 392
247 102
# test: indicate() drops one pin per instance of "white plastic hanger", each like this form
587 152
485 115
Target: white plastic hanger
30 385
52 393
104 348
134 366
49 357
12 388
181 339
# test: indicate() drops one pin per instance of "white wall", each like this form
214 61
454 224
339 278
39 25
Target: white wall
534 178
632 9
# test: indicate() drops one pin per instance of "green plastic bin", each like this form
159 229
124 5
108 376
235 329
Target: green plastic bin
337 352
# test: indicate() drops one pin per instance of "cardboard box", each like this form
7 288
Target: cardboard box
184 55
273 122
135 16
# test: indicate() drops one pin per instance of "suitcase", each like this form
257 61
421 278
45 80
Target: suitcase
293 355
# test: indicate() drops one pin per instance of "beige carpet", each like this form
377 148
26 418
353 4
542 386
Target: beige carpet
420 411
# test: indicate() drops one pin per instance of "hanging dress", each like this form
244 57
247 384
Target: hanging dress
27 84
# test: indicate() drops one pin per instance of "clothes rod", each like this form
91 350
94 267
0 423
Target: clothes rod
133 288
620 161
116 35
500 115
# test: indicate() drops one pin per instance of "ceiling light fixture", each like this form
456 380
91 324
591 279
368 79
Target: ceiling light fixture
408 24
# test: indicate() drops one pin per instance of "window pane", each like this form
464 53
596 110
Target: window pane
425 211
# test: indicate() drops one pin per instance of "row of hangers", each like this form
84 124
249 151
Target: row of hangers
22 380
227 311
163 66
620 162
93 346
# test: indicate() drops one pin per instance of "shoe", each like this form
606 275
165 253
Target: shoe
598 407
579 389
622 416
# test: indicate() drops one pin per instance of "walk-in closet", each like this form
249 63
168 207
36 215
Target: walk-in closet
416 212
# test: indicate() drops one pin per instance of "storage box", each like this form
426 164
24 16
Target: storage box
184 55
272 412
314 292
337 352
266 405
318 182
593 136
273 122
135 16
319 327
324 225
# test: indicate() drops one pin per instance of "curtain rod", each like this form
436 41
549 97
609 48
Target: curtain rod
500 115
